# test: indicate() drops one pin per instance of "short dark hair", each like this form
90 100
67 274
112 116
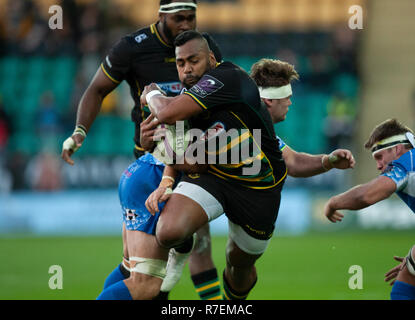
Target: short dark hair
273 73
186 36
163 2
386 129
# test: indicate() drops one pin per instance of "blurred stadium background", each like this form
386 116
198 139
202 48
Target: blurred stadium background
55 214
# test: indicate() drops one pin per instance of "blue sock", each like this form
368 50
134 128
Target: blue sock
115 276
402 291
117 291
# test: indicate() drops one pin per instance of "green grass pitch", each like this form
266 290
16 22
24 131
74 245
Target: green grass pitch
313 266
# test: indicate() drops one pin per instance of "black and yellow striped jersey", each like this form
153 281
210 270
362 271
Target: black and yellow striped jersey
240 140
141 58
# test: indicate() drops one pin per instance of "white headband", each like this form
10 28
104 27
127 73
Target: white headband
177 6
276 92
407 138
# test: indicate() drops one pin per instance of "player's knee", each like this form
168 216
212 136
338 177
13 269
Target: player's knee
169 236
237 258
143 287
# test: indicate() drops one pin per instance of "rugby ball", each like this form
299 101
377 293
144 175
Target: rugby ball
174 143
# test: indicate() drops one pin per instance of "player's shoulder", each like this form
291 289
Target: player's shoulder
406 161
230 70
140 37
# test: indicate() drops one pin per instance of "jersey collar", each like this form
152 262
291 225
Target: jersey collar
153 29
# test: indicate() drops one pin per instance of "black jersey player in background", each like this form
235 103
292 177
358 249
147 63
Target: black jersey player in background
140 58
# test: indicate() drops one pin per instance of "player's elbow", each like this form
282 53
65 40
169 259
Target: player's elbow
293 167
293 172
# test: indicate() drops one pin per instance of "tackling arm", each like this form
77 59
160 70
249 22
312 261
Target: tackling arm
307 165
359 197
169 109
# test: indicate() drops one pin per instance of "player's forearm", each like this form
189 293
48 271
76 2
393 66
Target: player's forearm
159 107
89 107
305 165
170 171
171 109
356 198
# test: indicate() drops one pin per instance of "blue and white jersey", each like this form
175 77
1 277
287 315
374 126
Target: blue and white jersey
281 143
149 158
402 172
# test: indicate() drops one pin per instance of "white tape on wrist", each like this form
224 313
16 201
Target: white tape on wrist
151 94
333 158
169 178
322 164
70 144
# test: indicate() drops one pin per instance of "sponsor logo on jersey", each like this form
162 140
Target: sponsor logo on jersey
214 131
171 88
206 86
130 214
140 37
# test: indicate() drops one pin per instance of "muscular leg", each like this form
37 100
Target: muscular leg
242 252
121 272
201 257
240 273
202 269
140 244
139 285
180 218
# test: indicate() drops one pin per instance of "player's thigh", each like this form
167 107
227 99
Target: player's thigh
142 244
243 249
180 218
124 241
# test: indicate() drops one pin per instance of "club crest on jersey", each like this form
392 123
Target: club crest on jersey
214 131
206 86
140 37
130 214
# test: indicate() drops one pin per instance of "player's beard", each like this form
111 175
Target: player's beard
167 32
190 80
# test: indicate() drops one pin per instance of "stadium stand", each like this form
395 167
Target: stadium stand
324 57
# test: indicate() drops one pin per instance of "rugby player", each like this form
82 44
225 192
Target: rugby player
273 78
391 144
222 95
140 58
